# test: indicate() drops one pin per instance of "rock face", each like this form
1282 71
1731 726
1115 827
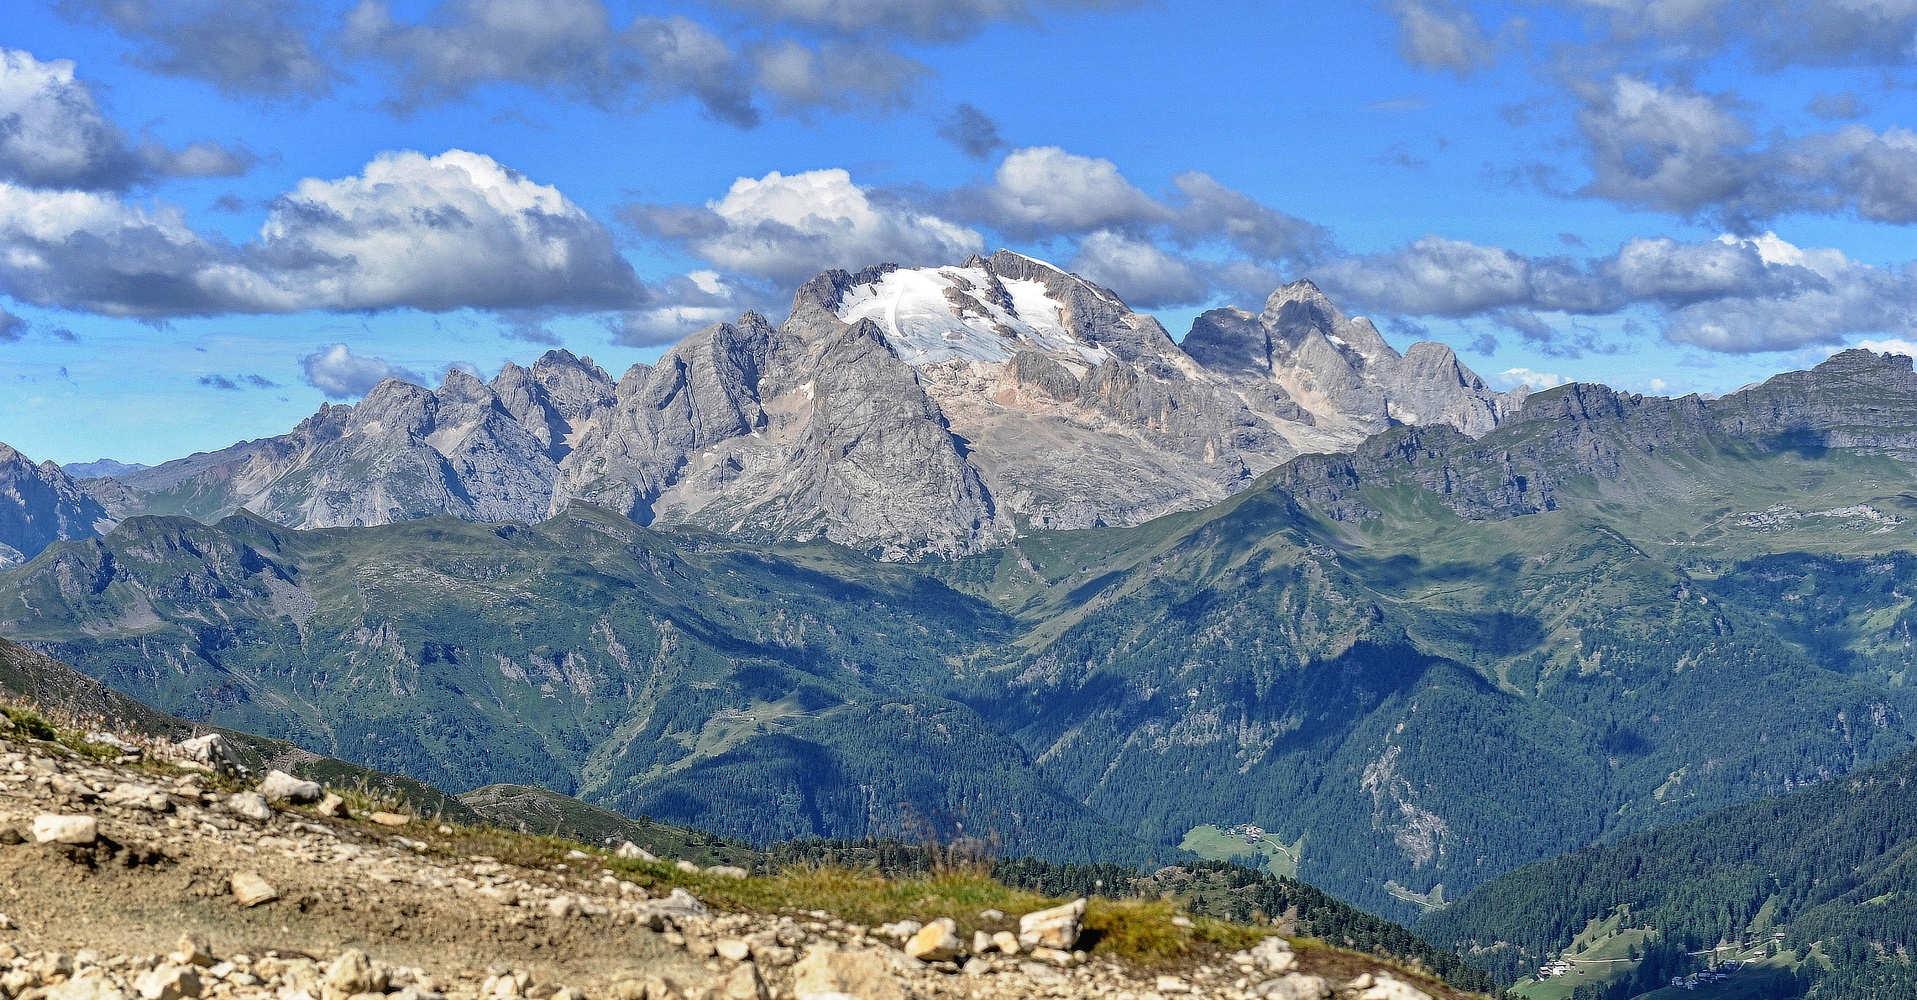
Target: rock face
903 411
40 505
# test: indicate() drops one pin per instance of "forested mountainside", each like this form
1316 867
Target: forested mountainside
1830 870
1416 665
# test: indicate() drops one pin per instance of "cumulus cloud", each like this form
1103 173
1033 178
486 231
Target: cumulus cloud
243 47
1892 346
53 135
789 228
1736 295
1775 33
1536 380
1435 37
1435 276
918 20
972 131
12 327
1146 276
1045 190
686 303
837 74
435 233
339 373
1696 155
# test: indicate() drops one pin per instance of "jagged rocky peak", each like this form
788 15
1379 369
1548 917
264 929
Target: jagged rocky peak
41 504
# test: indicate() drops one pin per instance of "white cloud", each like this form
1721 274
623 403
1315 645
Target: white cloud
791 227
1891 346
1046 190
1513 377
339 373
252 47
1435 38
452 231
436 233
1141 273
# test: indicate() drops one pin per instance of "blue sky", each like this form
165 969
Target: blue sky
216 215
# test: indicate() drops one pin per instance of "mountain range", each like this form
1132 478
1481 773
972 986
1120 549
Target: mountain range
901 411
1417 663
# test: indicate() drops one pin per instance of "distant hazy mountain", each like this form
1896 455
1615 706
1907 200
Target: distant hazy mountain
899 411
42 504
100 468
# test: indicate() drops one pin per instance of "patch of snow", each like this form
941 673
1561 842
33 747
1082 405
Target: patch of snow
913 309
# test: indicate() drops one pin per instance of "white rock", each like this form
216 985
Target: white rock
1053 928
138 796
686 866
1006 941
1172 984
213 752
251 805
251 890
1295 986
633 852
733 949
1384 987
168 982
981 943
1273 954
332 805
89 984
562 907
282 787
726 871
77 830
937 941
829 974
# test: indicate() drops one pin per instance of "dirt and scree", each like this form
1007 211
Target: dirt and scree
153 905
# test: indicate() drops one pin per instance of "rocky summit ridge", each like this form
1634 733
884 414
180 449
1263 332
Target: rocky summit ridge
902 411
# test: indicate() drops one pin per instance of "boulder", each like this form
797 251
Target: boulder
250 890
733 949
1054 928
1272 955
78 831
1383 987
168 982
633 852
332 805
1295 986
90 984
213 753
1006 941
826 973
351 974
193 949
282 787
251 805
390 819
138 796
743 983
937 941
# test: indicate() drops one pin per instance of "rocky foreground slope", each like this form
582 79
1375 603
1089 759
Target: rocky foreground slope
900 411
130 873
